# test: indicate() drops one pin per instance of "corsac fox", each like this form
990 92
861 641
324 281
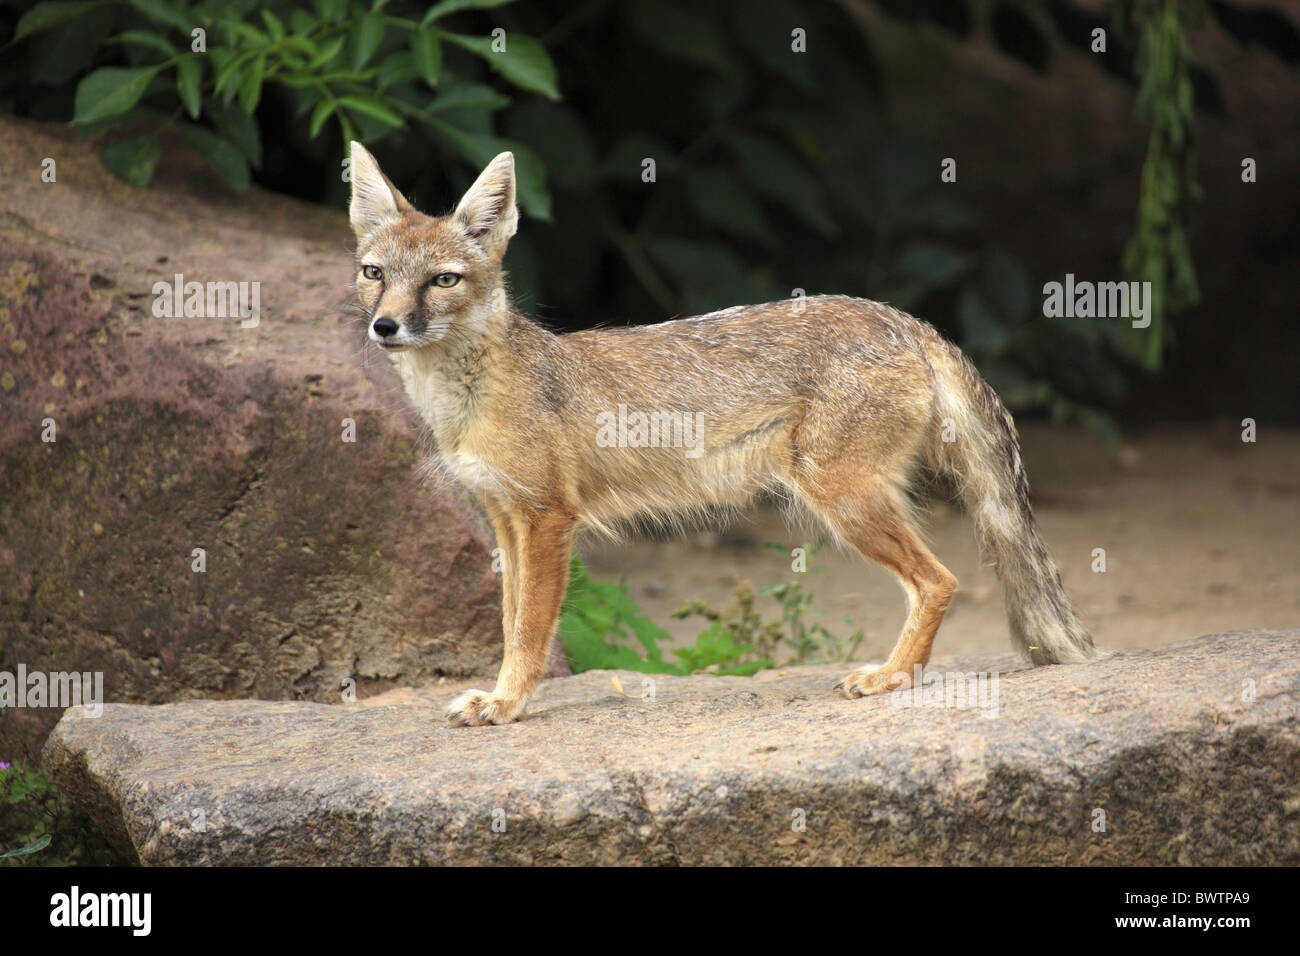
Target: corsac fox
830 401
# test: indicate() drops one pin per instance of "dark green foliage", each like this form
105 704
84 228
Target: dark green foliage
775 171
38 827
594 612
178 64
600 625
1159 251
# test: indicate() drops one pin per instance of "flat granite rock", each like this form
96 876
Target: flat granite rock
1185 755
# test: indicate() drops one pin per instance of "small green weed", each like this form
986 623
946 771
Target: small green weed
601 624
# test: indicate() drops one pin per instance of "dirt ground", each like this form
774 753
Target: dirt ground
1201 533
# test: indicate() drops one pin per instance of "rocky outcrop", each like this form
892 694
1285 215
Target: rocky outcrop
322 559
1185 755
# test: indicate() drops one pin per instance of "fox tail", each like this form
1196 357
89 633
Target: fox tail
983 457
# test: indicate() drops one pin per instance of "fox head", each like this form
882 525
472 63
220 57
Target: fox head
421 278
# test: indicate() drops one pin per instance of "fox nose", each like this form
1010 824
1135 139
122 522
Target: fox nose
384 327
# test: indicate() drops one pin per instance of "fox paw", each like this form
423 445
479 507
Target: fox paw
866 681
476 707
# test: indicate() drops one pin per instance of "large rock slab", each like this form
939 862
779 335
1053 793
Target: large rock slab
1185 755
325 559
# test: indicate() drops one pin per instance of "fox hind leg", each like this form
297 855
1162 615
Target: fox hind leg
870 513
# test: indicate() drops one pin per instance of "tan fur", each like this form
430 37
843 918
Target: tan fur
831 401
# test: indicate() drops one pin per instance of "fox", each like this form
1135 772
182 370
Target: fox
832 403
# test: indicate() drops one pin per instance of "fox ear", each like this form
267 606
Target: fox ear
487 211
375 200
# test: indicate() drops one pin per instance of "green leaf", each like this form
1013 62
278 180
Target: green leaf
50 14
320 114
440 10
145 38
189 74
228 66
326 53
592 612
331 9
168 13
121 121
273 24
251 34
301 45
426 47
40 843
250 85
134 159
398 68
373 109
524 62
222 154
349 131
364 38
300 80
472 97
111 90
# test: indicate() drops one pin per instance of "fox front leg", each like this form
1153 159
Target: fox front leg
538 569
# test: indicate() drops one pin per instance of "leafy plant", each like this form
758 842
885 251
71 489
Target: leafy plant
38 827
1159 251
739 629
809 640
763 184
202 68
595 611
600 625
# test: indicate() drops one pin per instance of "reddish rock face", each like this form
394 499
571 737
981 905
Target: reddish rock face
325 559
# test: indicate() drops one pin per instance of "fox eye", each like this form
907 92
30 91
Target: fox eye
373 273
446 280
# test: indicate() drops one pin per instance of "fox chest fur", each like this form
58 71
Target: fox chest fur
455 396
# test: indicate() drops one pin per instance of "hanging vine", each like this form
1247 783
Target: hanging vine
1159 251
